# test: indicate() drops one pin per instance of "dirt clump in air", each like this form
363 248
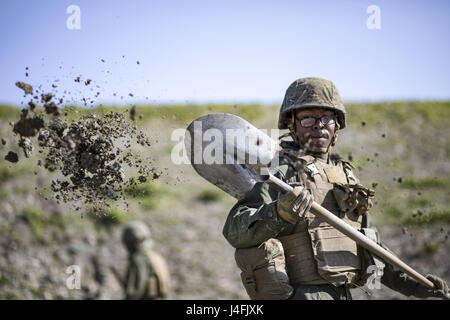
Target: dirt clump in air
12 157
25 87
28 126
133 113
92 153
27 146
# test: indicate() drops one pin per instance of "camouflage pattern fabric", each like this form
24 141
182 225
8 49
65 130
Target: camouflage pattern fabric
138 273
311 92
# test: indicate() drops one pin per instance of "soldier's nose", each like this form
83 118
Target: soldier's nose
318 125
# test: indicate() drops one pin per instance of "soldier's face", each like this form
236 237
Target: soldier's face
315 128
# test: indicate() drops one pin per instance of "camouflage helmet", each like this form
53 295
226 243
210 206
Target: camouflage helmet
311 92
135 232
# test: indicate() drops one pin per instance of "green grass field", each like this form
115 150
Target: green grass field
400 148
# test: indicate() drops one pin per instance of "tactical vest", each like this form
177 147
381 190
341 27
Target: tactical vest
315 252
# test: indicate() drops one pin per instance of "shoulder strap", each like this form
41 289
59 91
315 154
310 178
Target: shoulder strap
348 167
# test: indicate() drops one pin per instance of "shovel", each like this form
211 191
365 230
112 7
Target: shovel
233 173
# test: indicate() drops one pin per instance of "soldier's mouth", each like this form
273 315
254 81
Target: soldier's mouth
316 139
322 137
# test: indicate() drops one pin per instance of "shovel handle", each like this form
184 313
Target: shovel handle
353 233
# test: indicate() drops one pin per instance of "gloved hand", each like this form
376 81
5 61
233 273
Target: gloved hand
294 204
440 289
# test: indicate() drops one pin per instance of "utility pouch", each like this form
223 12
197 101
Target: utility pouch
353 199
336 255
264 274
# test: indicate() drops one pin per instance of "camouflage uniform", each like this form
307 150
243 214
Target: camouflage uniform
148 275
255 219
139 271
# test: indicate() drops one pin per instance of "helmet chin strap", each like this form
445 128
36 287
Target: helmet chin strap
291 127
333 141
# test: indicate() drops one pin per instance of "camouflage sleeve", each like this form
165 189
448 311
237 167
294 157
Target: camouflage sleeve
254 219
136 280
398 280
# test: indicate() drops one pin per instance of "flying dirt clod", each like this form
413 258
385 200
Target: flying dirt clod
12 157
90 152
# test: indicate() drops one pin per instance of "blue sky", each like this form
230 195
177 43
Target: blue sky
225 51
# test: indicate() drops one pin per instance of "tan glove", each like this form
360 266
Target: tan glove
440 289
294 204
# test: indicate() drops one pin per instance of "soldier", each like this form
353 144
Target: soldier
286 252
147 275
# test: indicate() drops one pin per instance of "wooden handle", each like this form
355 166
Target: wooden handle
354 234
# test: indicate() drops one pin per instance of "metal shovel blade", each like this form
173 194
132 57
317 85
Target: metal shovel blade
228 151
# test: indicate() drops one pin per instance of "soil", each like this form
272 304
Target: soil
88 151
12 157
133 113
28 126
25 87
